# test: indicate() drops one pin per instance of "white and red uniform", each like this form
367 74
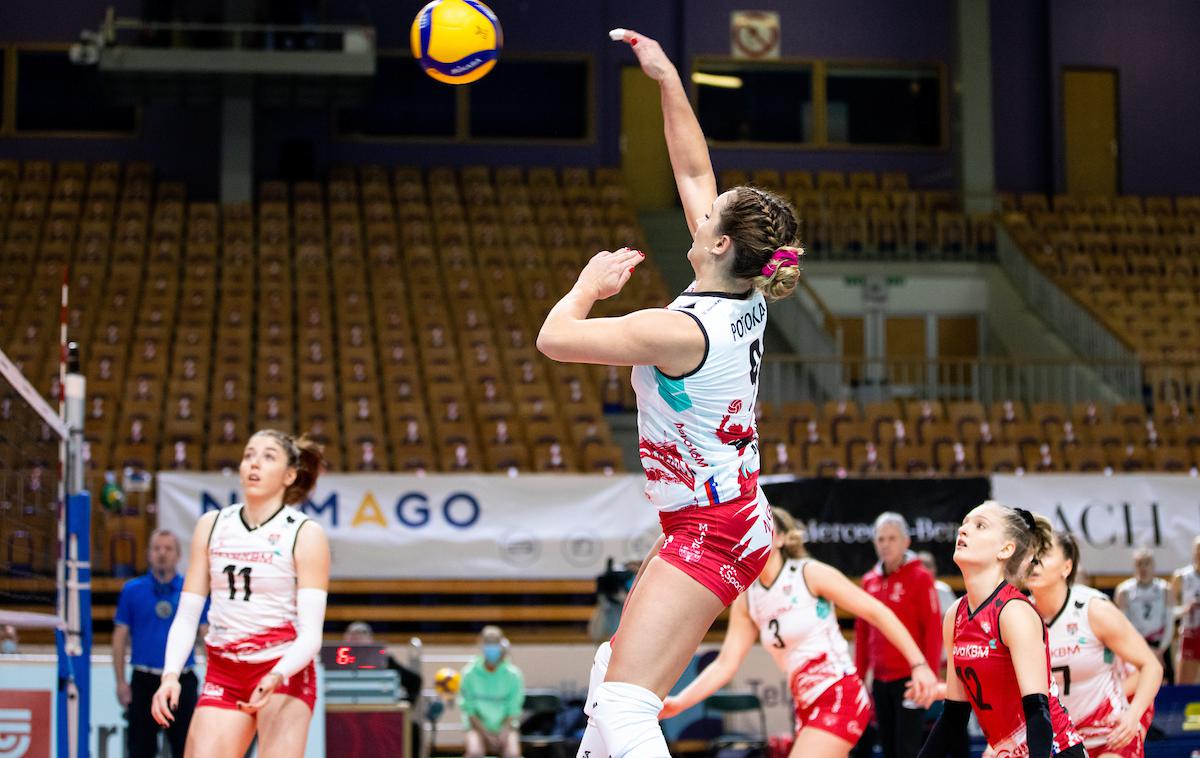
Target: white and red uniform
252 620
1189 622
1150 609
699 446
1088 675
801 633
983 665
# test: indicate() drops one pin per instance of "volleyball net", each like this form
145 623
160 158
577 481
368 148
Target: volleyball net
45 572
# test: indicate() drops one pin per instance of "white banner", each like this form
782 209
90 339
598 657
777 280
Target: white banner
1112 515
452 526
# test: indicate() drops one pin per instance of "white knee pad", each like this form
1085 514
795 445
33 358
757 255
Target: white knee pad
592 745
596 678
628 719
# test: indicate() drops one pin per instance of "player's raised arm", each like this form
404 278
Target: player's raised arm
685 141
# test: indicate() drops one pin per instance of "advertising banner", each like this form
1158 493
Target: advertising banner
452 526
1112 515
838 515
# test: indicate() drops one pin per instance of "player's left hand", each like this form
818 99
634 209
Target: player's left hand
1126 728
922 687
262 693
607 272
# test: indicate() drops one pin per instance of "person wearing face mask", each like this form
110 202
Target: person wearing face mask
267 567
9 640
145 611
491 697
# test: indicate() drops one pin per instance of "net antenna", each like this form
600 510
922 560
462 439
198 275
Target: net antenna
45 516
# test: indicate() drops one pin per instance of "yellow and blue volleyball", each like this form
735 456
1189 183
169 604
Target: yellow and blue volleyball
457 41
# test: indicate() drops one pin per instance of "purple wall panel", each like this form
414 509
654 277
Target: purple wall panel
912 30
35 21
1020 96
1152 45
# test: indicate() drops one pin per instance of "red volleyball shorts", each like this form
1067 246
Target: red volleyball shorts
1135 748
844 709
724 547
226 682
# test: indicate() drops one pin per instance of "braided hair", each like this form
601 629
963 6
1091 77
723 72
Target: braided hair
765 233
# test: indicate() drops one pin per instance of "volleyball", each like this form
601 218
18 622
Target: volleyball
446 681
457 41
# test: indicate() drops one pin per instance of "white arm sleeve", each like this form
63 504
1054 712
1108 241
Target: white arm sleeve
310 612
182 637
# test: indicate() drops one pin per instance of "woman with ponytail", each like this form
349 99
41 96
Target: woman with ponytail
267 567
1091 643
791 609
996 644
695 373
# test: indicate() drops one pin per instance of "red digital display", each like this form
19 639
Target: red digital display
351 657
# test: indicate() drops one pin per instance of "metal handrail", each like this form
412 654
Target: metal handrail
988 379
112 25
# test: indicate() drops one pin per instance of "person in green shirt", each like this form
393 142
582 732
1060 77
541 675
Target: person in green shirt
491 697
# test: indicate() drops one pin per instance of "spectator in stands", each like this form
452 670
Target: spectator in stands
360 633
9 640
1145 600
612 587
1185 594
145 610
901 583
491 697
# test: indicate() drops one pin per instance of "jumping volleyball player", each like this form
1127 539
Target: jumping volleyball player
267 566
1090 643
997 644
695 374
791 610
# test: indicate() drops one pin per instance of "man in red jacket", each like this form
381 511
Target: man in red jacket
901 583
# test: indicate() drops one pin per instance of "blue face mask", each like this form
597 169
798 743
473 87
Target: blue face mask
492 652
8 647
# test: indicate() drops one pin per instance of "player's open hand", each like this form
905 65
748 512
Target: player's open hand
1126 728
606 273
262 693
165 700
922 687
649 53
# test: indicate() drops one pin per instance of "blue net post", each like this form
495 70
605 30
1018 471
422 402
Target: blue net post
75 641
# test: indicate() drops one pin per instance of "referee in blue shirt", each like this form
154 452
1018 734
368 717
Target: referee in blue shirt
144 614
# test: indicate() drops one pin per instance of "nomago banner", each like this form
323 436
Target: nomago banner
451 526
838 515
1111 515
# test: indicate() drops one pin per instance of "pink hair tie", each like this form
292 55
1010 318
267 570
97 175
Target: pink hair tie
781 257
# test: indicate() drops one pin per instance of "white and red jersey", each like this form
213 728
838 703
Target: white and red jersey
983 665
1088 675
697 439
1189 592
1149 609
800 631
252 576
